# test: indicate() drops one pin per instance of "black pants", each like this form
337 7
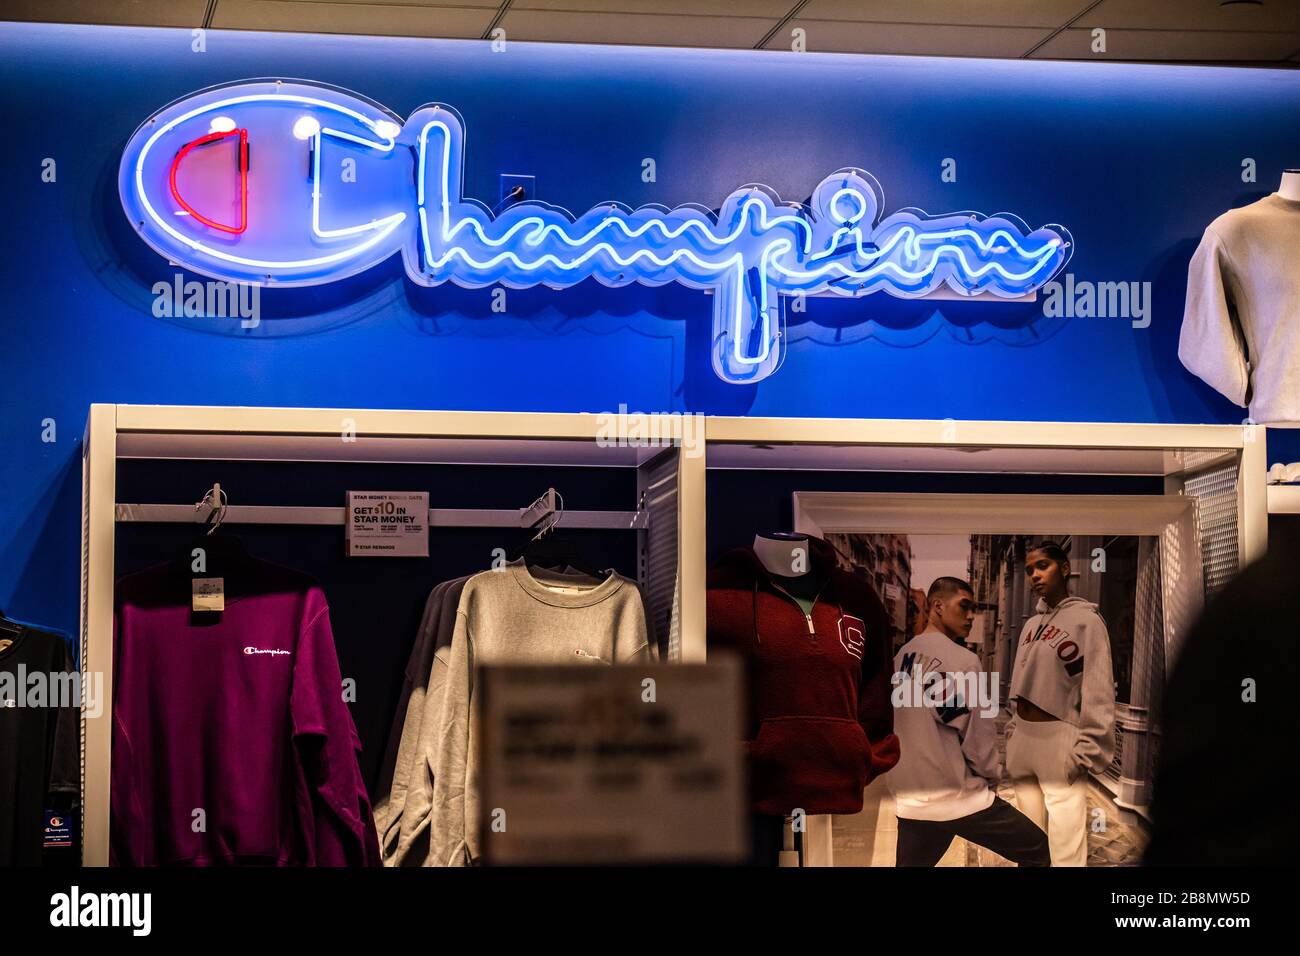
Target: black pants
768 839
1000 828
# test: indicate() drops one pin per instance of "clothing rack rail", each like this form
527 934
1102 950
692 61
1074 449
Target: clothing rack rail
438 517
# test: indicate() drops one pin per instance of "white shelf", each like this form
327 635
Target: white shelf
1284 499
965 459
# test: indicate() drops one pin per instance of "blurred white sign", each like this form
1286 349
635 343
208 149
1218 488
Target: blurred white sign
610 765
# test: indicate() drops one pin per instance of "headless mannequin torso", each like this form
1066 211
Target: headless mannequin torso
785 555
1290 186
787 558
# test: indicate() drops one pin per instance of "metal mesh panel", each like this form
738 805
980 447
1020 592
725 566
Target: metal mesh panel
84 641
659 559
1134 755
1183 575
1150 622
674 652
1215 493
1194 459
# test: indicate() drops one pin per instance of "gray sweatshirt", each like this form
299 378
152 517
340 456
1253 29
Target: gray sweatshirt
949 747
404 745
1241 323
516 617
1063 667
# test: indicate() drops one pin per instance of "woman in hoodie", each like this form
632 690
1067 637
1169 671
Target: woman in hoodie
1063 707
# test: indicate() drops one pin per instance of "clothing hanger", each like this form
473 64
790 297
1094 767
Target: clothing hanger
8 627
545 550
218 501
224 553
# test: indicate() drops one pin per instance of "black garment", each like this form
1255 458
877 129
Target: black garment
40 746
1000 828
1227 779
437 625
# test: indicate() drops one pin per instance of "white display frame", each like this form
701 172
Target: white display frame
1244 444
1284 499
818 512
108 422
1168 518
107 426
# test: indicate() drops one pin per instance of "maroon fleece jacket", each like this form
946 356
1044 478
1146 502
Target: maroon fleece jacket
820 725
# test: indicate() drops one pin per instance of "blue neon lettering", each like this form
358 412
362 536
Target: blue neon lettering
750 253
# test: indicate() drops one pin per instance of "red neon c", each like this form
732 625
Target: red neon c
243 180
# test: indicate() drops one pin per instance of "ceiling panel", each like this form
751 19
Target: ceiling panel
1283 15
440 4
159 13
1004 13
773 9
829 36
1200 45
322 16
636 29
1171 30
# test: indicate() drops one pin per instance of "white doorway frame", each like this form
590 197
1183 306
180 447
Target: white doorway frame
823 512
1170 518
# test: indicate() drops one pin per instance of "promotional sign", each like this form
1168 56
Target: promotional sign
393 524
292 183
590 763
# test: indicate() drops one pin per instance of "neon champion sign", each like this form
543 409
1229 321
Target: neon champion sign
228 182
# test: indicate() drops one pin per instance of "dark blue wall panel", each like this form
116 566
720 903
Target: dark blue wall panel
1134 160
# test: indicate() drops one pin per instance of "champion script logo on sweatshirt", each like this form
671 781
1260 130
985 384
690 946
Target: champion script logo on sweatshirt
274 652
852 634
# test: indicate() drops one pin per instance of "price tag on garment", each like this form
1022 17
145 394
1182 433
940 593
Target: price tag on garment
209 594
392 524
629 763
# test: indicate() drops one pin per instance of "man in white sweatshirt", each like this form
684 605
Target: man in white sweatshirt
944 782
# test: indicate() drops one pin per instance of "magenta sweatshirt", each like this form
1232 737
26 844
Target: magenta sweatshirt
231 740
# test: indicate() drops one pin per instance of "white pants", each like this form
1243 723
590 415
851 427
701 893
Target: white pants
1040 760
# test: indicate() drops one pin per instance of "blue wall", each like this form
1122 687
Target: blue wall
1134 160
